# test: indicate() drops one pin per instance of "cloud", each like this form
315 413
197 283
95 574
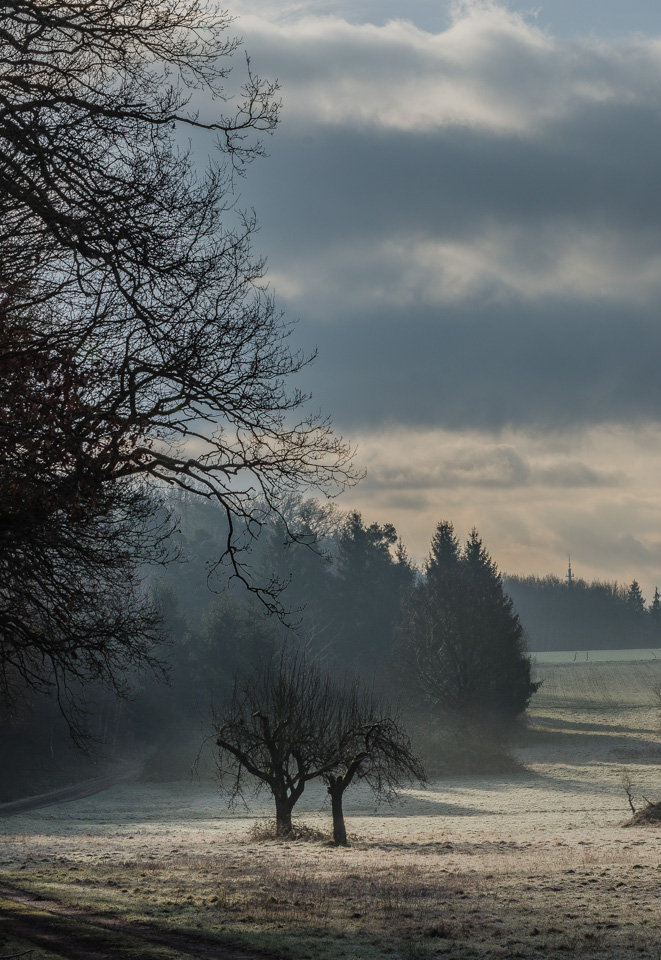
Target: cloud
553 366
501 264
467 222
492 69
534 497
477 258
437 460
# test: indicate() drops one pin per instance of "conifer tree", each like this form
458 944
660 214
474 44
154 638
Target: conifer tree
635 599
373 576
655 615
461 640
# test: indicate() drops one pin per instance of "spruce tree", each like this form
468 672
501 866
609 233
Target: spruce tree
655 616
372 576
635 599
496 635
461 641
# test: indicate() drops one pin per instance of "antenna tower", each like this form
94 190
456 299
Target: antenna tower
570 576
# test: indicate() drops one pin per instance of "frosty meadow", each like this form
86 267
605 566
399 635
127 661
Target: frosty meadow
530 863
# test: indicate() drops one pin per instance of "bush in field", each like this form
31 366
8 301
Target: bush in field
650 813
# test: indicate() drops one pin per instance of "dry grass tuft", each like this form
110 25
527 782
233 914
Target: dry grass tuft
649 815
263 831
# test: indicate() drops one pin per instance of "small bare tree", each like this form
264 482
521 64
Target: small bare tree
366 743
627 785
274 730
650 813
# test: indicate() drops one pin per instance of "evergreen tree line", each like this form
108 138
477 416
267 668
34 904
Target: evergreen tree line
444 640
585 616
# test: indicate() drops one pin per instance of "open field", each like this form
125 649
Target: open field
534 864
596 656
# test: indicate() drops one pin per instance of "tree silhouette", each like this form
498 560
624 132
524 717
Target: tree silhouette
372 575
655 614
273 730
366 744
635 599
125 251
460 640
140 346
74 530
290 722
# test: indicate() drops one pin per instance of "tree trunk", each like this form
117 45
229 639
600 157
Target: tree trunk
339 829
283 809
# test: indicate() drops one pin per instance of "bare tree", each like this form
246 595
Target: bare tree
74 529
151 350
274 731
291 722
627 786
366 743
126 251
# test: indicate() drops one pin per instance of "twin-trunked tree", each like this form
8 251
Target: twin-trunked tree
133 321
290 722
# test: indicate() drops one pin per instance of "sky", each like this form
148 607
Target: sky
462 209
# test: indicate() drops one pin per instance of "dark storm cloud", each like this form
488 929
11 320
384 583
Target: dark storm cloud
342 185
481 250
553 366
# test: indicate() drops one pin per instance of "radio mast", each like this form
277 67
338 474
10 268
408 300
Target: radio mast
570 576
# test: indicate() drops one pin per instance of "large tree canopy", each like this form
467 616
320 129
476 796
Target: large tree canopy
74 530
139 345
128 251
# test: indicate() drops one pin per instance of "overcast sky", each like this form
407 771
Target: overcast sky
462 208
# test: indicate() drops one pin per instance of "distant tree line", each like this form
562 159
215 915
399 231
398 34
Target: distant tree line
356 600
585 616
446 640
443 640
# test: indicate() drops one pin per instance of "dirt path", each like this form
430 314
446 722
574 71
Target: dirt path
77 791
80 935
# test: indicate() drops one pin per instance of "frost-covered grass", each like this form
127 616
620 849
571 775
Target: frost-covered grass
597 656
597 686
532 864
